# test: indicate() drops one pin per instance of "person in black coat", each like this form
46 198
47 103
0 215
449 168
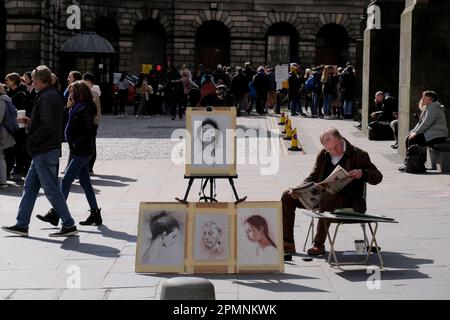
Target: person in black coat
348 91
79 133
262 86
239 89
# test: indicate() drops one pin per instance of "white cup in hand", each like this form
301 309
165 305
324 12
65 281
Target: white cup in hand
20 115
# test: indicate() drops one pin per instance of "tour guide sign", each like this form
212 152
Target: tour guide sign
211 142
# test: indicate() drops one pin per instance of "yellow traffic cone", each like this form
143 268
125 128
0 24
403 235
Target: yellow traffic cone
288 132
294 142
286 124
282 120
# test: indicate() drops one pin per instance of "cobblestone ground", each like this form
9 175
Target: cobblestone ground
133 139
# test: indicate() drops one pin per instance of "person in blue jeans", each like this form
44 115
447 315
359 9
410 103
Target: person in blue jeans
79 133
44 146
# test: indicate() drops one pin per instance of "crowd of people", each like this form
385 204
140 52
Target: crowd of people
325 91
44 128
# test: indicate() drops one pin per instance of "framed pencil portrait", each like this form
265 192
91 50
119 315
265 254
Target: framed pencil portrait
212 240
161 241
211 142
259 237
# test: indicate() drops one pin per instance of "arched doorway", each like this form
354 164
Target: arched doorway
2 39
149 44
212 44
332 42
281 44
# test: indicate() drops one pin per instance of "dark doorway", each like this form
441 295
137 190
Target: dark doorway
281 44
149 44
2 39
107 28
212 43
332 45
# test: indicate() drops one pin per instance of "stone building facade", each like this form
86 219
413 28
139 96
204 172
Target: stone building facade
186 31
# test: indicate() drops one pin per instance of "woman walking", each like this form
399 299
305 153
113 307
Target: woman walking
79 132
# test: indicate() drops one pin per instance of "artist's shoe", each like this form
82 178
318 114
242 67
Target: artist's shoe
402 169
287 256
316 250
289 247
394 146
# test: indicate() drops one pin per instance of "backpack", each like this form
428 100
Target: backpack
415 159
380 131
309 84
10 118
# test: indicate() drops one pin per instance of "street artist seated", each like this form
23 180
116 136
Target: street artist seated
336 151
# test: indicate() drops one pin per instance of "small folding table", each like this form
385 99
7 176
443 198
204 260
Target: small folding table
344 217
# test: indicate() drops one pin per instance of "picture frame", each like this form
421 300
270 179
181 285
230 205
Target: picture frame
209 238
211 143
161 240
259 237
212 238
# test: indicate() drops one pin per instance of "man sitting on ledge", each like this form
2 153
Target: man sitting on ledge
336 151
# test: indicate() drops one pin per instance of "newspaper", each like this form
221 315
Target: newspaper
310 193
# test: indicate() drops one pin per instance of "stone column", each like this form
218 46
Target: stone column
424 52
380 57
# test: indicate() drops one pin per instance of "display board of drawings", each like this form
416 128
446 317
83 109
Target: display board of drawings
310 193
210 238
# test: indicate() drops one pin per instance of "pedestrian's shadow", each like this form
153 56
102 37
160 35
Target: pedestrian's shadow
73 243
114 234
114 178
14 190
104 181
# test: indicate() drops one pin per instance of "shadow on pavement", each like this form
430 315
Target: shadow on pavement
14 190
73 244
106 232
279 286
274 282
277 282
115 178
406 268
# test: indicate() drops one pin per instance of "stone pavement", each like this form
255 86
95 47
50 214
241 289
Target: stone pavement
134 165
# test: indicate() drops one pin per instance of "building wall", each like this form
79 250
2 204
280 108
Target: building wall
37 29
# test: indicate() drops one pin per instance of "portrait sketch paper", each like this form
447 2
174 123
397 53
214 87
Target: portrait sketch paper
212 237
257 236
161 239
210 147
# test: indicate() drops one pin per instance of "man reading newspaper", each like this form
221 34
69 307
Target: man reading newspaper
336 181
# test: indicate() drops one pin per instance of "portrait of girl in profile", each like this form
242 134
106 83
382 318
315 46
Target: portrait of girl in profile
164 239
207 140
257 238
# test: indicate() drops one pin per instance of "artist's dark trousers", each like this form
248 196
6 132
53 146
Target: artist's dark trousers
328 203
